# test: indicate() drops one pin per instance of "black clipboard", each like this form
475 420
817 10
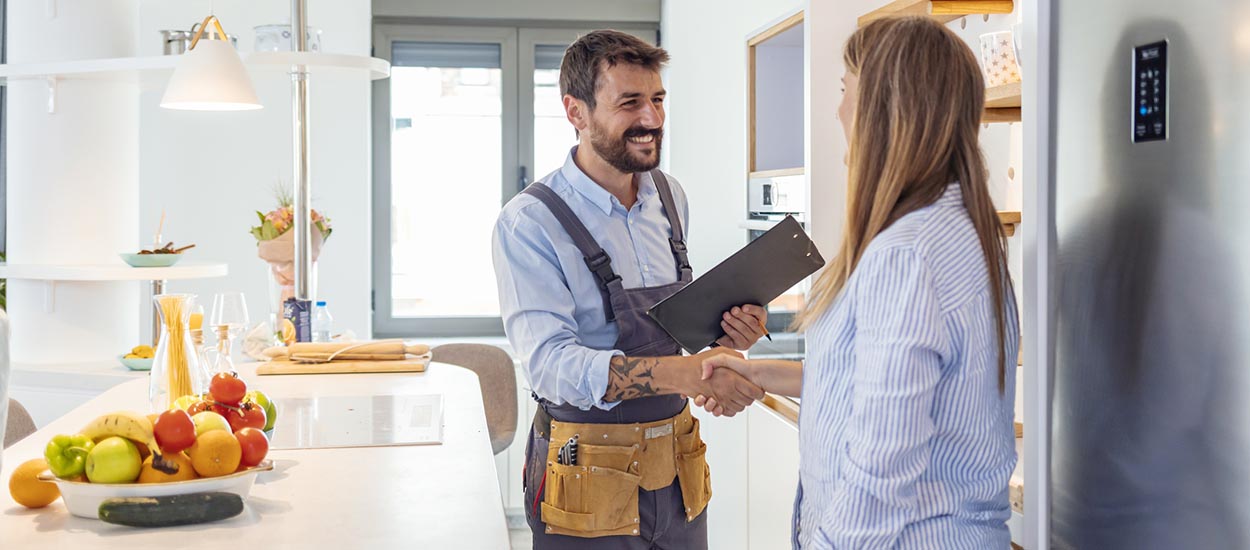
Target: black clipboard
757 274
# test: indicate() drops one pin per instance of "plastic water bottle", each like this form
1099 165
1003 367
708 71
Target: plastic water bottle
322 323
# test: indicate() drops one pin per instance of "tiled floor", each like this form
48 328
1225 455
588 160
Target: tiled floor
521 539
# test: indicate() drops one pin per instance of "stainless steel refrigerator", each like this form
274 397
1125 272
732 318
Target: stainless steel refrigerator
1149 181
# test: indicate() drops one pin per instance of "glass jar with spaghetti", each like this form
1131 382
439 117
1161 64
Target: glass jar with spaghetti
176 369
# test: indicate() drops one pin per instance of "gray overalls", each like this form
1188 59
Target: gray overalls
662 518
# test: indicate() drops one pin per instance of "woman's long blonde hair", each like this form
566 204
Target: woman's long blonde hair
915 131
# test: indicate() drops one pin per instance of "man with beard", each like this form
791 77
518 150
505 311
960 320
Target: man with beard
614 458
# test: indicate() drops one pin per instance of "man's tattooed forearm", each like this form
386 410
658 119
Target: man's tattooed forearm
630 377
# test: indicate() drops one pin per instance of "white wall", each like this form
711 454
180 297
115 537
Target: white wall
554 10
212 171
706 137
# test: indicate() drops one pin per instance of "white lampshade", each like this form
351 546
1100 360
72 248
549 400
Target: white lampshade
210 77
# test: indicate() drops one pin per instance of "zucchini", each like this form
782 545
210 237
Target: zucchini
171 510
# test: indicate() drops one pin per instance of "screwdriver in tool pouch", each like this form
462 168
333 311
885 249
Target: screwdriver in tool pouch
568 452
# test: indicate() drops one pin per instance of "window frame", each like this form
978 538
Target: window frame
517 48
384 321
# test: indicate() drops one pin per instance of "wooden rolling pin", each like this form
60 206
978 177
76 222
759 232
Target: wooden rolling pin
378 350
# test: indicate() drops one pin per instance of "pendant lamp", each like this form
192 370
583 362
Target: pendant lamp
210 76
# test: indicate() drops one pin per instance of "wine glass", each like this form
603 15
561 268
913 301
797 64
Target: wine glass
229 319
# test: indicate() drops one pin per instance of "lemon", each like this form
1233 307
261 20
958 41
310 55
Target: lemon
142 352
288 331
184 402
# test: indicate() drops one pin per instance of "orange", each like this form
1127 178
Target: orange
27 489
216 453
186 471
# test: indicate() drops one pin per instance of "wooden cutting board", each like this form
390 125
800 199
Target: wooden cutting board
415 364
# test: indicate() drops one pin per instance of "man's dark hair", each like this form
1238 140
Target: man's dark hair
586 58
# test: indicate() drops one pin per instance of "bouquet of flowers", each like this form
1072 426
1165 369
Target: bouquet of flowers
275 242
276 222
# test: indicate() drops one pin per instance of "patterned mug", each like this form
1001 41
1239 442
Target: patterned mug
998 59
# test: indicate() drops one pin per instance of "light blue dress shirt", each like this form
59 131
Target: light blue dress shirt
552 308
905 439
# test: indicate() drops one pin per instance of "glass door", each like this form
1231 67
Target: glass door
447 144
469 117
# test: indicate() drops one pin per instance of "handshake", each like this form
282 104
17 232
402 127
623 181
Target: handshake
725 386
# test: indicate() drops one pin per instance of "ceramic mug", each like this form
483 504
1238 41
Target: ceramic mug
998 59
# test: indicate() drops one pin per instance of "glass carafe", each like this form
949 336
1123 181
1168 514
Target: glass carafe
176 369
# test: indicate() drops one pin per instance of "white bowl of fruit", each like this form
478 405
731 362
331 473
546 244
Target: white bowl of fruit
171 468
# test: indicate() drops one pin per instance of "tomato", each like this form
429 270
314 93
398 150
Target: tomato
227 388
250 415
255 446
222 410
174 431
198 407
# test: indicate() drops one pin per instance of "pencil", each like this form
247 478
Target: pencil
766 334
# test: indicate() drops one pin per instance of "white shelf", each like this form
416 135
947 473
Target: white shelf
316 62
137 68
111 272
758 225
122 68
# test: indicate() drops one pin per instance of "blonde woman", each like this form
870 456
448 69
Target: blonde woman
906 437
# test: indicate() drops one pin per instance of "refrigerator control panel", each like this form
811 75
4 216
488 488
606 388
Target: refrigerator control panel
1150 92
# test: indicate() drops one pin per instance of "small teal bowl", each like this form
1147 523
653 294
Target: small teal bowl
135 364
151 260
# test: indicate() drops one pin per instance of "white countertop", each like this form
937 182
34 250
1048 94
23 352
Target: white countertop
434 496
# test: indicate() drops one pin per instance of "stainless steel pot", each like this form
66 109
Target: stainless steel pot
177 42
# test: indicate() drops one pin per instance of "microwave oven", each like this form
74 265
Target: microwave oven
777 196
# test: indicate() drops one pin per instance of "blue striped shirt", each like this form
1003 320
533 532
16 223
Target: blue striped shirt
550 302
905 440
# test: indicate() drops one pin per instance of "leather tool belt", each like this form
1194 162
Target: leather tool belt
598 496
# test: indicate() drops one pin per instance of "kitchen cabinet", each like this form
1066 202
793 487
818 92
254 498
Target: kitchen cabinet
773 476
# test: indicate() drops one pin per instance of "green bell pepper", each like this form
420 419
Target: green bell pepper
67 455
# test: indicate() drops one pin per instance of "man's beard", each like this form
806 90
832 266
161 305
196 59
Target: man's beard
615 151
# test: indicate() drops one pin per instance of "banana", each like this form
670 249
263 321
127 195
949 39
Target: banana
132 426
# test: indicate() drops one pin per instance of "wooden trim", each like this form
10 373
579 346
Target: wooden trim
783 26
750 108
944 11
782 406
1008 114
1010 220
970 7
901 7
778 173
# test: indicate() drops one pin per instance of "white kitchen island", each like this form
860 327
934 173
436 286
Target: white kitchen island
434 496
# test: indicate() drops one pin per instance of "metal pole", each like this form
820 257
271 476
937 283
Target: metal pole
303 194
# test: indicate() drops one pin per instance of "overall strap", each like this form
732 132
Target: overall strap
678 240
596 258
